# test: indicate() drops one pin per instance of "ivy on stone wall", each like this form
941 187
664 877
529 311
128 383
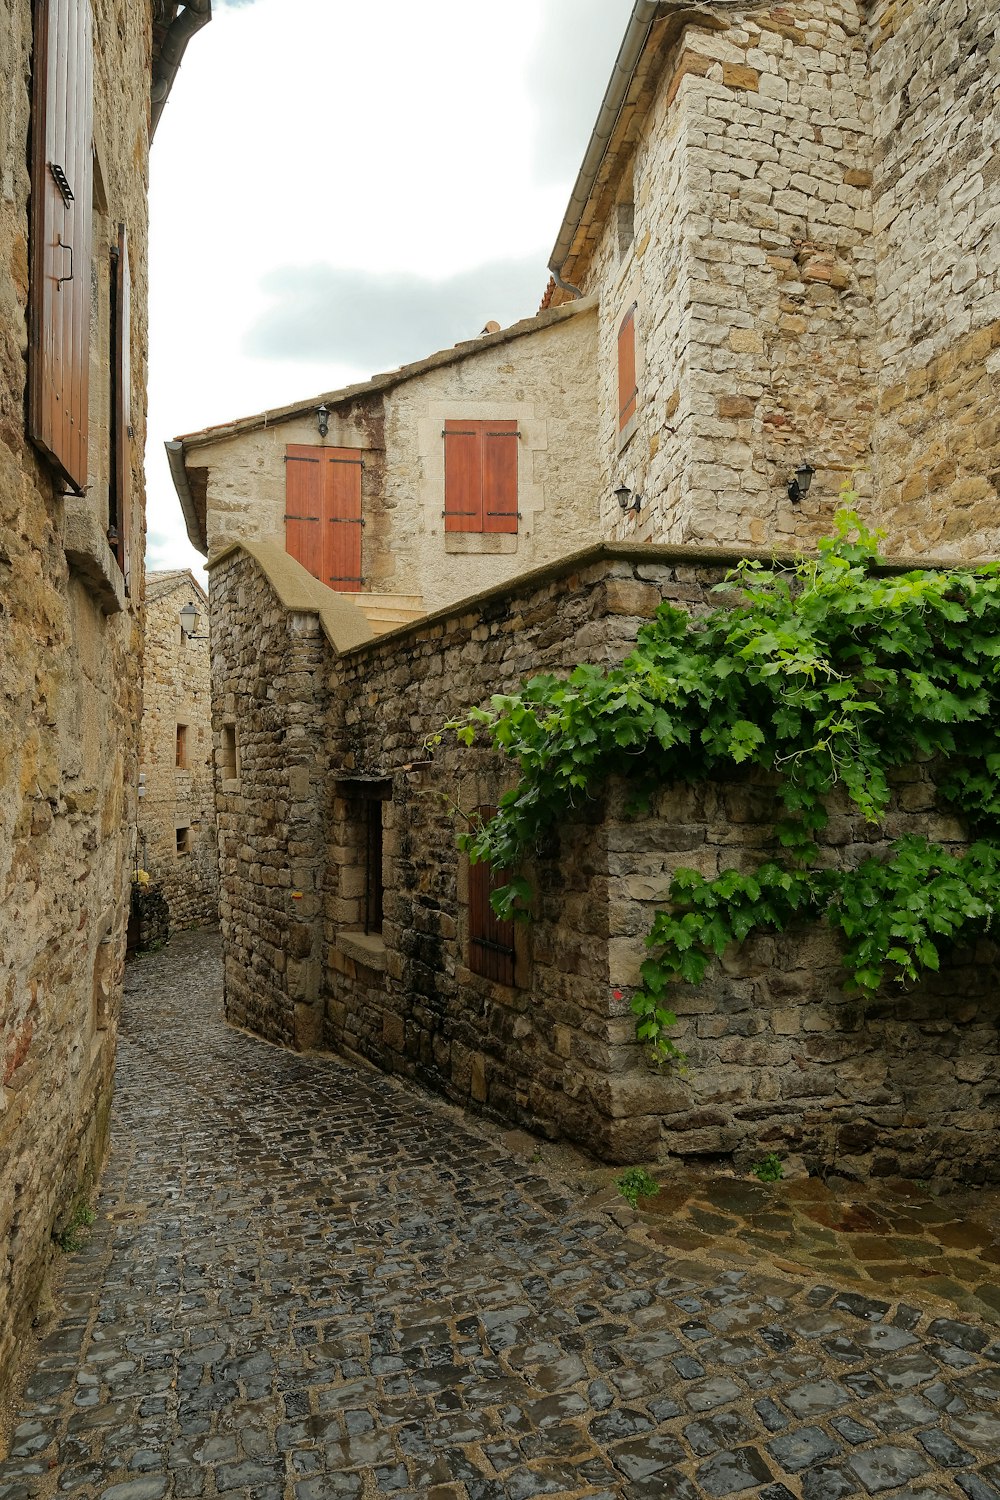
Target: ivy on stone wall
826 677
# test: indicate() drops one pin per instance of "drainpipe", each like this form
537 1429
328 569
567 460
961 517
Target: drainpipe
195 15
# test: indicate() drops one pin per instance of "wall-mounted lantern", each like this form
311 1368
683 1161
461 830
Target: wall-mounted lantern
190 620
323 419
798 487
626 499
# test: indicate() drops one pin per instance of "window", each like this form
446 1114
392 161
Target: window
480 476
181 758
358 825
628 389
229 762
323 513
61 210
491 942
626 228
183 840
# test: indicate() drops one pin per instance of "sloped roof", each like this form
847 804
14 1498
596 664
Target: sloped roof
168 579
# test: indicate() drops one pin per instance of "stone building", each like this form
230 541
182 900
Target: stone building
177 840
83 85
754 282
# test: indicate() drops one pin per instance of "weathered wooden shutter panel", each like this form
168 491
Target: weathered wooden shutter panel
491 942
499 440
61 169
304 506
121 412
342 518
628 390
463 477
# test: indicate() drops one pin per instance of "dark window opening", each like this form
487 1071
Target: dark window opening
229 771
181 758
183 840
491 941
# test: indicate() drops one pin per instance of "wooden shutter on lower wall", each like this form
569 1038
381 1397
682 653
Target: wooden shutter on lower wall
491 942
480 476
120 500
628 389
61 198
304 506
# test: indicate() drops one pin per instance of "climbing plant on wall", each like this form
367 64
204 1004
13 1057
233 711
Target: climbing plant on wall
826 674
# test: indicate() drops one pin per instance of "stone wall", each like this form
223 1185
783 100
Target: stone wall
778 1057
70 659
937 205
542 378
177 790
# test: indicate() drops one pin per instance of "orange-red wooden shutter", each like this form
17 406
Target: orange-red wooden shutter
61 191
323 513
491 942
120 509
304 506
463 477
342 518
480 476
628 390
499 441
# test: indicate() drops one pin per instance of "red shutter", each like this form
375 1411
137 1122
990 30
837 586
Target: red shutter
463 477
500 476
120 508
61 189
628 390
304 506
342 518
323 513
491 942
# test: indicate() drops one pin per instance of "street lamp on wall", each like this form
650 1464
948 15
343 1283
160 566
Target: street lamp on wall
323 419
798 487
626 499
190 620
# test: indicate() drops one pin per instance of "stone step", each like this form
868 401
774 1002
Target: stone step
386 611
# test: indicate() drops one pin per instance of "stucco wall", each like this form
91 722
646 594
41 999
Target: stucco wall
69 703
544 380
177 690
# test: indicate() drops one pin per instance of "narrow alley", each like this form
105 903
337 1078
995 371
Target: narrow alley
308 1281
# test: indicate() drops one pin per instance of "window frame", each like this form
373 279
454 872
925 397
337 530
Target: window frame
482 476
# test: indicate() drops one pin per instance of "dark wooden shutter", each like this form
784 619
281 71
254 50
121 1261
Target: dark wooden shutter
628 389
120 506
480 476
61 192
342 518
463 477
304 506
500 476
491 942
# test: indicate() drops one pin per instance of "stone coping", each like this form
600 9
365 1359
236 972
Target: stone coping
343 623
676 556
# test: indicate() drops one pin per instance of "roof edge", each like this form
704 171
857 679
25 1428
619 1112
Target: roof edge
343 623
178 472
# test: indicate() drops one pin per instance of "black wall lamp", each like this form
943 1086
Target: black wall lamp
323 417
190 620
798 487
626 499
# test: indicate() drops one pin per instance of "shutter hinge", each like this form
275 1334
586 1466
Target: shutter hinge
289 517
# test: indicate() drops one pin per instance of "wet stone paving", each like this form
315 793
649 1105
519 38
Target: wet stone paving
309 1282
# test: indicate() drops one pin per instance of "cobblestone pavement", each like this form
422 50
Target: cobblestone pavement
307 1282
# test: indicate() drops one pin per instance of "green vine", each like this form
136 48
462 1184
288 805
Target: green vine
829 673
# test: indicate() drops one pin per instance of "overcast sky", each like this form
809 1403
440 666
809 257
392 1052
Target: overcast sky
338 189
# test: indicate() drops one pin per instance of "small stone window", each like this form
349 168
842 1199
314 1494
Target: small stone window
181 758
184 841
230 764
492 950
360 812
626 227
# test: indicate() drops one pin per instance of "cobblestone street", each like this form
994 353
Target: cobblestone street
307 1281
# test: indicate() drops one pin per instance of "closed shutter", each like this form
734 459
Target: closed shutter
628 390
61 188
500 476
304 506
463 477
491 942
120 508
342 512
480 476
323 513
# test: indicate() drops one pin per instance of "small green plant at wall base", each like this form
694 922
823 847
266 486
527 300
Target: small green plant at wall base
636 1183
769 1168
826 675
74 1236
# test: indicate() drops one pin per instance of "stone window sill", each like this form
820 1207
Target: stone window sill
628 432
488 542
364 947
90 557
